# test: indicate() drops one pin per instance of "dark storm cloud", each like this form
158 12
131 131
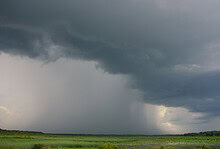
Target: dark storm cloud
16 41
170 48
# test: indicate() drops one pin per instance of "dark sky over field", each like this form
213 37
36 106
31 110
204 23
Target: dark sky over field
110 66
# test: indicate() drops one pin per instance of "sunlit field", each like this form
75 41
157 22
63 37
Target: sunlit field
27 140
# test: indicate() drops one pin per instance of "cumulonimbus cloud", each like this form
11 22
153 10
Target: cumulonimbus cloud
169 48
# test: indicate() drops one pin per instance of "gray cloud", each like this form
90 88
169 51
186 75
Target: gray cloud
169 48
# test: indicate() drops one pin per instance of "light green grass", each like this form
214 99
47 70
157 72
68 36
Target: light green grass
37 141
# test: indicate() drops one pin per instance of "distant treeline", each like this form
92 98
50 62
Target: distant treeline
206 133
3 131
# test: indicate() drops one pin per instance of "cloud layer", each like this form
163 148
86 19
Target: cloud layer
170 49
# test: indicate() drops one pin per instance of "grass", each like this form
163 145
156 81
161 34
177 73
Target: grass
23 140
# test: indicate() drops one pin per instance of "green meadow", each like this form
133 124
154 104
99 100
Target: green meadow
29 140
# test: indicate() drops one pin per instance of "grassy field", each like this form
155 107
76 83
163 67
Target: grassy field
24 140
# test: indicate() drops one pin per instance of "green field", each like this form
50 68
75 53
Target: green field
27 140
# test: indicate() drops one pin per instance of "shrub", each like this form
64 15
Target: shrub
37 146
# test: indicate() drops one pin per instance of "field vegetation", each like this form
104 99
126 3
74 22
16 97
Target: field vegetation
37 140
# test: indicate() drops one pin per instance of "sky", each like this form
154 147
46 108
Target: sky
110 66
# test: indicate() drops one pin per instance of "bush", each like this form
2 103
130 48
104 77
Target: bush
37 146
